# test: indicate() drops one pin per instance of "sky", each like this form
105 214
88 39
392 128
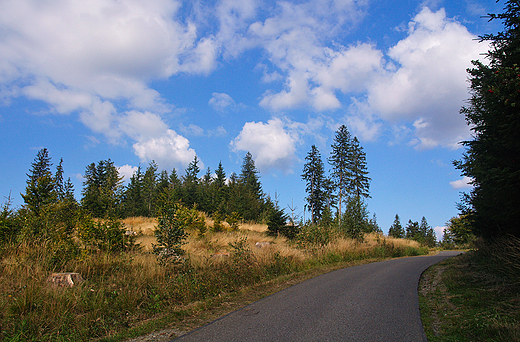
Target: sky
165 80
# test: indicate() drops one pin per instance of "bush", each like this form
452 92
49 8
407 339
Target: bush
170 234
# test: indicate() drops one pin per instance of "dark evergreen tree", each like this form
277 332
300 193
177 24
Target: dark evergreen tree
249 177
360 182
250 196
40 189
427 234
149 189
102 189
341 159
412 230
491 158
133 203
314 177
191 183
396 229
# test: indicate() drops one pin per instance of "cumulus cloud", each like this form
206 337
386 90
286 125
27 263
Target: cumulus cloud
97 58
169 150
271 144
464 183
425 81
127 171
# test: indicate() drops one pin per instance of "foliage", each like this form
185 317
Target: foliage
233 220
105 235
491 157
396 229
314 177
102 189
458 233
277 224
40 185
170 234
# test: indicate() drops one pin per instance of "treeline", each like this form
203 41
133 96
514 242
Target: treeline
105 195
420 232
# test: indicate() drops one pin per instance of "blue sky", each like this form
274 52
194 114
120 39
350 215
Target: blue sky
165 80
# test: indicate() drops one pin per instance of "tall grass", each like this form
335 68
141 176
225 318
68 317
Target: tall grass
121 290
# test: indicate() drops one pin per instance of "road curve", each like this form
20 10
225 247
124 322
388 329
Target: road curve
372 302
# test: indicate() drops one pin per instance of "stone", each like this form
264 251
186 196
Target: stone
263 244
67 279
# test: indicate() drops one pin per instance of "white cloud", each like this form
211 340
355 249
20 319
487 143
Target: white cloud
429 85
271 145
127 171
221 101
439 232
168 150
464 183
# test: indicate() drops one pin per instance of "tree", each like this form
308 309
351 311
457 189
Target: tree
491 157
360 182
249 176
191 183
40 189
412 230
133 203
102 189
340 160
149 188
314 176
427 233
396 229
458 232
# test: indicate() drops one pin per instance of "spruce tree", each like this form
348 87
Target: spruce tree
396 229
360 182
40 189
102 189
314 176
340 159
491 157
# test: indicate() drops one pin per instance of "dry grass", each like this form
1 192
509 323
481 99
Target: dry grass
124 289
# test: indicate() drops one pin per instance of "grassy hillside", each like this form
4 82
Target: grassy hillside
131 293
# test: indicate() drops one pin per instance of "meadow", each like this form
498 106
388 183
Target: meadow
132 293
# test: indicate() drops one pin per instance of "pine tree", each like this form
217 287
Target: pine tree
40 185
412 230
314 176
102 189
249 176
491 158
360 182
149 189
191 183
340 160
396 229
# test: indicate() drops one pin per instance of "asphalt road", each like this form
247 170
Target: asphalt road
373 302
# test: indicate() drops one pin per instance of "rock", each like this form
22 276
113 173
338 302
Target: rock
220 255
68 279
263 244
130 233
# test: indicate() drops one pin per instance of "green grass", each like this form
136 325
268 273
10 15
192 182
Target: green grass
466 299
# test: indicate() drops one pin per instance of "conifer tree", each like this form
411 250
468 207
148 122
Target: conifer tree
40 185
360 182
491 157
102 189
314 176
340 159
396 229
191 183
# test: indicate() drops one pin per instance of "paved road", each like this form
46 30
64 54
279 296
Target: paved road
373 302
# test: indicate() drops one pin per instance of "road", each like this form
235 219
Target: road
373 302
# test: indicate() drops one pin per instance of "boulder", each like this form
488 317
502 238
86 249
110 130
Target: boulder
263 244
68 279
